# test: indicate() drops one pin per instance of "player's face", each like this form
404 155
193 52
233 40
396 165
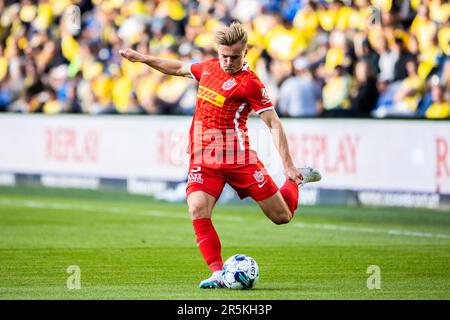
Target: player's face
232 57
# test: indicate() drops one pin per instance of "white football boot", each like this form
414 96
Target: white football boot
309 175
213 282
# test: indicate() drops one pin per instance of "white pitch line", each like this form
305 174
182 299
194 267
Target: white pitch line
395 232
153 213
87 208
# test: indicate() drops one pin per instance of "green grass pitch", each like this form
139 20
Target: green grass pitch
133 247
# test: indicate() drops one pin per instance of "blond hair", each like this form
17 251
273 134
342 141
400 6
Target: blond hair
230 35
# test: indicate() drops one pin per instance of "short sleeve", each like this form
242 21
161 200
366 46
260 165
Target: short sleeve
257 96
197 69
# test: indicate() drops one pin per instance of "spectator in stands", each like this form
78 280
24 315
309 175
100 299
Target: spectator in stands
278 72
36 40
364 51
411 89
6 97
363 94
300 95
385 102
336 93
423 28
406 95
404 56
439 107
387 61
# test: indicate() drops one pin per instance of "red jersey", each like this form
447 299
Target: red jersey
224 102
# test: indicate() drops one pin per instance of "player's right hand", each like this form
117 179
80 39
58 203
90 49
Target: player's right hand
132 55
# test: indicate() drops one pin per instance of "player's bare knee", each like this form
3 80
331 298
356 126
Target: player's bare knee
198 210
281 218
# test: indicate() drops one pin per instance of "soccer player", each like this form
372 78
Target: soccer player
219 145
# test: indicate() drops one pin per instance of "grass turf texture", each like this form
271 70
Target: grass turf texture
132 247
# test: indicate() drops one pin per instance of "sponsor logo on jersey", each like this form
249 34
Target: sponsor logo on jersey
227 85
195 178
211 96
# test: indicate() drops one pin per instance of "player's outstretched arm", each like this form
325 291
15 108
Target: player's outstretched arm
272 120
167 66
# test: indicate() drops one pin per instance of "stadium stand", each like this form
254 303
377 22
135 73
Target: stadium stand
365 58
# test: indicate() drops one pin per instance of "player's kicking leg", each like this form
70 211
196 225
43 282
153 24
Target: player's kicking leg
280 207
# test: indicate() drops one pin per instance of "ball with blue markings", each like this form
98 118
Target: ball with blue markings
240 271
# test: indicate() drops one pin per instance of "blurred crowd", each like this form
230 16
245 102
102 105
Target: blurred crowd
331 58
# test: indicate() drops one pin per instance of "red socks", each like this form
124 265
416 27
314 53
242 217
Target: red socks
290 194
208 242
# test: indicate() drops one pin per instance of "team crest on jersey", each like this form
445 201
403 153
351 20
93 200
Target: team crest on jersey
227 85
259 176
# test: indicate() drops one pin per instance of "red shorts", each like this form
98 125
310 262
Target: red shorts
249 180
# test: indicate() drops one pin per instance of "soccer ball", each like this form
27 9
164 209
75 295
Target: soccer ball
240 272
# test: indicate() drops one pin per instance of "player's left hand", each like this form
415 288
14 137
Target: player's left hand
292 174
132 55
